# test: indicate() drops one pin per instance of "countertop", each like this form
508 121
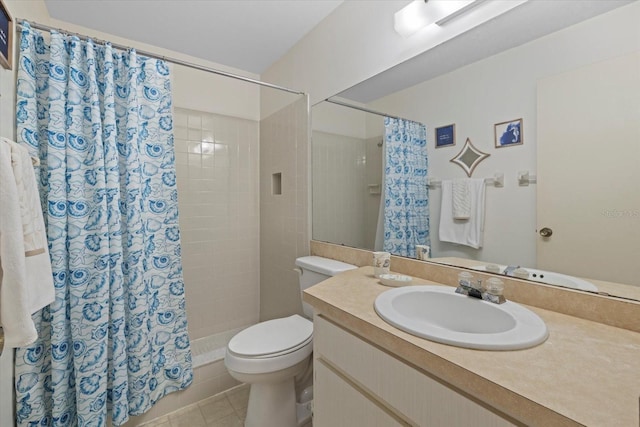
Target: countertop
585 373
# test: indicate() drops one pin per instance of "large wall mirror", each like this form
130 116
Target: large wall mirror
573 90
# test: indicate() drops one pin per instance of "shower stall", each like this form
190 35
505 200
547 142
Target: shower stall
238 247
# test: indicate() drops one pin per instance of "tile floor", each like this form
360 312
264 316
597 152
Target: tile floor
226 409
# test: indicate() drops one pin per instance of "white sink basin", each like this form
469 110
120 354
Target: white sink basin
438 314
552 278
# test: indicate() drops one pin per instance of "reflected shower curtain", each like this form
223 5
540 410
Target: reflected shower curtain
406 196
115 339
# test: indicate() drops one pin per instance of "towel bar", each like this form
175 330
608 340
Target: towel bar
524 178
497 181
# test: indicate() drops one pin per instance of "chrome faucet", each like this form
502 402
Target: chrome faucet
491 293
466 288
510 269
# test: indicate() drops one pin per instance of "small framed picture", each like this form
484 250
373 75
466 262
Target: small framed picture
446 136
6 35
508 133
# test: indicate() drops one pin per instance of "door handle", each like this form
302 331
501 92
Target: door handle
546 232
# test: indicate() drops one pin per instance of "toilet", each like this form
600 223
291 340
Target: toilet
272 355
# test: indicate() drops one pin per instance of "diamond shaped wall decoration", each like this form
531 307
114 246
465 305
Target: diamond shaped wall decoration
469 157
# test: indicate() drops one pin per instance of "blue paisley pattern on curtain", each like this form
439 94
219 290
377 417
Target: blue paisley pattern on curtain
406 202
115 339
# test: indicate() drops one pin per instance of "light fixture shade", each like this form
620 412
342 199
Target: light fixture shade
419 14
411 18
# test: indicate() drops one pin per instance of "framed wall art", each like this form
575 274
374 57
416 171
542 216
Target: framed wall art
6 36
508 133
446 136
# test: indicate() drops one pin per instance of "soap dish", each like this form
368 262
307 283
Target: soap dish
395 280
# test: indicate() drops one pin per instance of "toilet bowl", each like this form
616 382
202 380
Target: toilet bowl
271 354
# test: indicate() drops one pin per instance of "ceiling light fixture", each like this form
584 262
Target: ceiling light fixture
421 13
461 11
411 18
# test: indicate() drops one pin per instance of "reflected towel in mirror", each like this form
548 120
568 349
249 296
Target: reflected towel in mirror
461 198
463 232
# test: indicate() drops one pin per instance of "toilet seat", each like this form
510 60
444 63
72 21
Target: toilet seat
270 346
280 353
273 337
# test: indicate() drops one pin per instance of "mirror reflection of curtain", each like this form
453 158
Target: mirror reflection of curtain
405 197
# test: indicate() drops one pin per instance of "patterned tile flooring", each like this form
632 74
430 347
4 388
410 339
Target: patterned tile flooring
226 409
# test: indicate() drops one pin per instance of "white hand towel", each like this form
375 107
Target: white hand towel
466 232
461 199
26 281
36 248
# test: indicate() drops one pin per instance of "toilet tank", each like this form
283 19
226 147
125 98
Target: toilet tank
315 269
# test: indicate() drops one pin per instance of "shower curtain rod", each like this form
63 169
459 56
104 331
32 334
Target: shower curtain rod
164 58
366 110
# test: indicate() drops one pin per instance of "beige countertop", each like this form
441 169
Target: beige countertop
586 373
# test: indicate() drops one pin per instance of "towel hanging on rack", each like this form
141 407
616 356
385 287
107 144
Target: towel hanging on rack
468 232
26 280
461 198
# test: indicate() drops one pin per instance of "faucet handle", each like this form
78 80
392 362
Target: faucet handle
494 289
495 286
465 279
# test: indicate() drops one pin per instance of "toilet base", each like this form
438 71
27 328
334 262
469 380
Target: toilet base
272 397
272 405
278 412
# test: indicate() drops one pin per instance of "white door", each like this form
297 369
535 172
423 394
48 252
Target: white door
589 171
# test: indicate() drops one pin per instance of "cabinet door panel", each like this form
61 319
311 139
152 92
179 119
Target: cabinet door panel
420 399
337 404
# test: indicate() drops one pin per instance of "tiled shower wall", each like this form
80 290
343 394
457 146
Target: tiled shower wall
339 188
284 225
217 162
347 179
373 174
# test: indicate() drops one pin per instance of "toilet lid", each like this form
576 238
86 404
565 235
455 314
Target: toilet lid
272 336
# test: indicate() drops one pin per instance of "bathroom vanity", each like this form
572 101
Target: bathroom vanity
368 373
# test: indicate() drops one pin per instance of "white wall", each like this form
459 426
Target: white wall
500 88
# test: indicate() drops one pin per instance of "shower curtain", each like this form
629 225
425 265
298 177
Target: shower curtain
406 196
115 339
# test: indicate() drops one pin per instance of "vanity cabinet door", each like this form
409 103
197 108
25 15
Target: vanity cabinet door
337 404
408 395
